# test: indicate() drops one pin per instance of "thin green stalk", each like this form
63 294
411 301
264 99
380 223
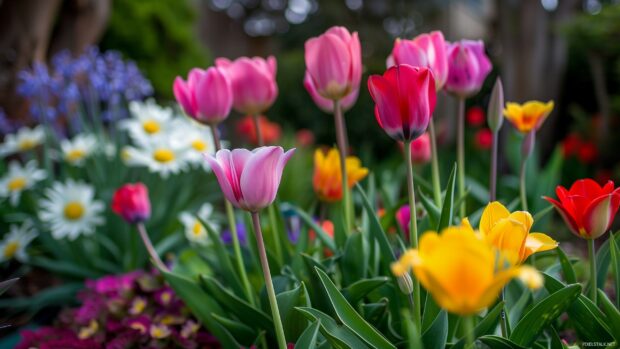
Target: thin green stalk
232 224
342 147
522 184
149 247
493 172
503 319
259 132
592 256
413 233
271 293
435 164
468 328
460 140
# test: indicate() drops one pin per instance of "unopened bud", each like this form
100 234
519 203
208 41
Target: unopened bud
405 283
527 147
495 116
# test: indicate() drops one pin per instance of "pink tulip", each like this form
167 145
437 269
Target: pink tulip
421 149
327 105
403 217
131 202
334 63
404 100
425 50
250 179
253 83
468 66
206 96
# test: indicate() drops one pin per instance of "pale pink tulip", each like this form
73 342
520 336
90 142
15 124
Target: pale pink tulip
253 83
327 105
250 179
206 96
425 50
334 63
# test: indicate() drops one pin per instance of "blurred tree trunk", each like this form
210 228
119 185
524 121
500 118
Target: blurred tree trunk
533 54
30 34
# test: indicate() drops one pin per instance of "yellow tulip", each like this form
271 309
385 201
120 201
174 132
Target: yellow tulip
510 233
460 270
327 180
528 116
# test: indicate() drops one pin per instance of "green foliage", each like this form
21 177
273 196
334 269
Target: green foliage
160 36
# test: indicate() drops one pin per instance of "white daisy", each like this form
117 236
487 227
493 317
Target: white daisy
15 242
23 140
19 178
149 120
197 139
70 209
160 155
76 150
195 231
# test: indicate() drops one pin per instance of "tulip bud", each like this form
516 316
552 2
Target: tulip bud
131 202
405 284
495 116
527 147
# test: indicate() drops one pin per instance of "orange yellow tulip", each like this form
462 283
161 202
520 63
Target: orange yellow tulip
327 180
528 116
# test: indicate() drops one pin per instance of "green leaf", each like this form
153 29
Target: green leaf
308 338
613 315
322 235
338 336
431 209
358 290
242 333
587 319
243 310
567 267
437 335
543 313
376 231
555 342
488 323
293 322
431 311
603 258
497 342
447 210
52 296
615 265
350 317
202 306
354 252
65 268
5 285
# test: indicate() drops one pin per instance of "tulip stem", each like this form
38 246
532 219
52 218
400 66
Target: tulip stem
232 224
341 138
413 232
259 132
460 147
522 184
493 175
592 256
268 282
435 164
468 328
503 321
149 247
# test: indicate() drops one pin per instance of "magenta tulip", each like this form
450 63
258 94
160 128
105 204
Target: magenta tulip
206 96
131 202
404 100
327 105
425 50
253 83
250 179
334 63
468 67
421 149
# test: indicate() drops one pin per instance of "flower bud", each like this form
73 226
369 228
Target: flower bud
495 116
131 202
405 283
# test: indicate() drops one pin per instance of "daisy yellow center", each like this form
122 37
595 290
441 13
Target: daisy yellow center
75 155
163 155
197 229
26 144
151 126
199 145
74 210
10 249
17 183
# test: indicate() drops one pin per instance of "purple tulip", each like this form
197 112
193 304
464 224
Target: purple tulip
468 66
250 179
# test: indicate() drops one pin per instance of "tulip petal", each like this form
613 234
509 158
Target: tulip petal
538 242
219 165
566 215
259 182
328 60
598 216
184 97
493 213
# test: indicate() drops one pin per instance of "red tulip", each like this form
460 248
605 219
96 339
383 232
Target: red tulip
271 131
484 139
421 149
131 202
475 116
334 63
587 208
425 50
468 67
253 83
206 96
404 100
